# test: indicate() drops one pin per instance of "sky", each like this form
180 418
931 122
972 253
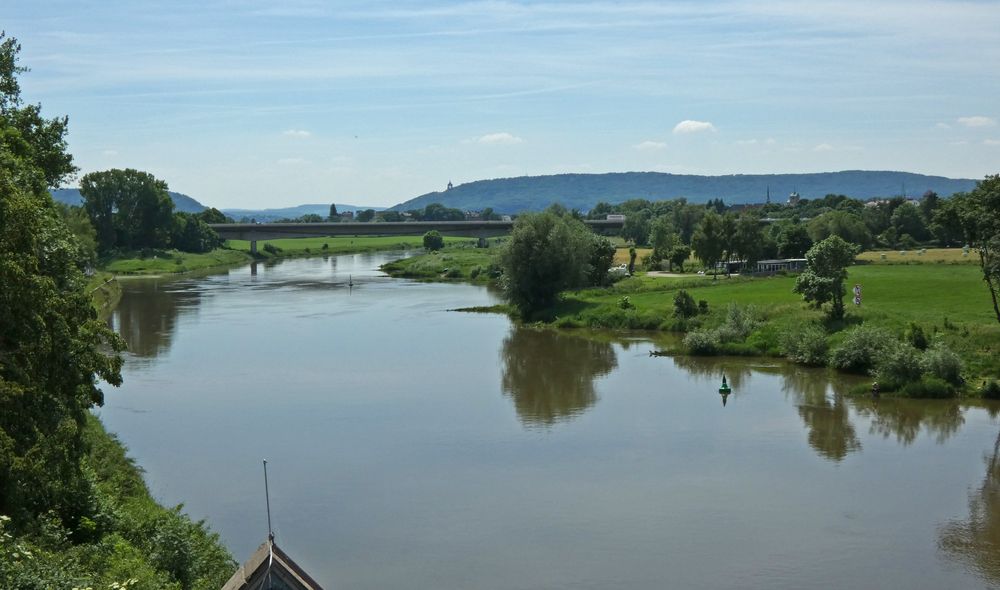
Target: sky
255 104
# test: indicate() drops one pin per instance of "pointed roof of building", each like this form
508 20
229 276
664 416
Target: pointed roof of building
270 568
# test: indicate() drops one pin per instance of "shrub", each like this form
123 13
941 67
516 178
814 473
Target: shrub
990 390
625 303
928 387
702 306
433 240
899 365
916 337
684 306
740 322
453 273
475 271
326 246
806 346
702 342
861 349
271 248
943 363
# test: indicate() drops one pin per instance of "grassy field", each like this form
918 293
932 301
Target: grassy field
174 261
929 256
948 301
460 262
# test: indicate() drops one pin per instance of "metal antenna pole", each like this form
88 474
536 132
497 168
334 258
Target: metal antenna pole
267 498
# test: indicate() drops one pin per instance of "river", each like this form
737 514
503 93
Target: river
410 446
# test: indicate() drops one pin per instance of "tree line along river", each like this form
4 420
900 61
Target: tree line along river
410 446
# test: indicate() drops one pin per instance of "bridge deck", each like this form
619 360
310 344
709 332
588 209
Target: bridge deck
273 231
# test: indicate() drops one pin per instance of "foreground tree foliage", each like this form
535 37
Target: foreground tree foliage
73 510
825 273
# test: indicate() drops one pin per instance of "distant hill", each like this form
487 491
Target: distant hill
583 191
268 215
182 202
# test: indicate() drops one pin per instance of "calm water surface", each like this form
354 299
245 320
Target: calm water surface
413 447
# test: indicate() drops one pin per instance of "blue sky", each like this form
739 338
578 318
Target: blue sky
267 104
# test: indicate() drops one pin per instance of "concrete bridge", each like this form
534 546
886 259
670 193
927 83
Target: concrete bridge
254 232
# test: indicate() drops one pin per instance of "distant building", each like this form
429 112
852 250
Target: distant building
347 215
505 218
793 199
473 215
615 217
450 186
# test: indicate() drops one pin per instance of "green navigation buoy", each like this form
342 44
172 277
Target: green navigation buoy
724 391
725 386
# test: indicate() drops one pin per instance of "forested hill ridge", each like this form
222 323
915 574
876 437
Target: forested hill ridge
583 191
182 202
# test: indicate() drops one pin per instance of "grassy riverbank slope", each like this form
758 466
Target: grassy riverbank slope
127 541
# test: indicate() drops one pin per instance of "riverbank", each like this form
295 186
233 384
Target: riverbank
124 539
925 300
237 252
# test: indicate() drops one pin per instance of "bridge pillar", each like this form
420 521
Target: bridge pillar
253 247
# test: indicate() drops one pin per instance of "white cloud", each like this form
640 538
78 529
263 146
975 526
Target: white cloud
991 142
960 142
109 153
823 147
650 146
977 121
943 126
301 133
746 142
689 126
502 138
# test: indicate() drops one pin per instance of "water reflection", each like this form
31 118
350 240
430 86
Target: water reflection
146 317
824 411
976 541
904 418
550 375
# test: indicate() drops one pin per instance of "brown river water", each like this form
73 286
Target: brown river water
410 446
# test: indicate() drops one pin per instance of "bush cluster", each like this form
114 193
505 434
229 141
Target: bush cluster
861 349
806 346
739 323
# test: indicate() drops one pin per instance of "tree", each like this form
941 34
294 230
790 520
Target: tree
213 215
51 342
333 215
793 240
365 216
847 226
826 270
636 227
602 254
708 242
909 220
662 238
678 255
546 254
40 141
433 240
190 233
979 211
130 209
748 242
